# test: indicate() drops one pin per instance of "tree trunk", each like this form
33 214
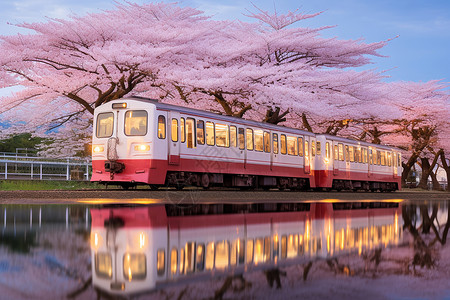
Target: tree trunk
423 184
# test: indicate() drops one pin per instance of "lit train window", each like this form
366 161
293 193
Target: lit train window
389 159
378 158
259 143
161 127
358 154
249 255
200 257
136 122
301 247
222 254
313 148
182 261
365 155
160 262
319 151
370 157
327 150
283 247
209 256
352 153
276 247
190 133
222 135
249 134
200 132
306 148
103 265
292 245
182 131
189 257
341 152
241 139
399 157
292 145
135 266
300 146
394 158
173 261
347 153
210 133
233 136
275 143
266 142
262 250
383 158
174 130
283 144
237 254
105 124
336 152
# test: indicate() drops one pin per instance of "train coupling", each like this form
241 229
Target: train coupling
114 167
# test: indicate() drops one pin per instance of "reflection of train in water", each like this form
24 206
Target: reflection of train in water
138 249
142 141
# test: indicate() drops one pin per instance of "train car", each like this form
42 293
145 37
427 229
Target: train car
355 165
140 249
142 141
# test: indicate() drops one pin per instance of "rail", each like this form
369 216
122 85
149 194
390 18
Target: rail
26 167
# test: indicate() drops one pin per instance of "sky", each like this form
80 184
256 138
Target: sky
420 29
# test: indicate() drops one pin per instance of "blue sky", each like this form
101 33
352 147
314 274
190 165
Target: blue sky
420 53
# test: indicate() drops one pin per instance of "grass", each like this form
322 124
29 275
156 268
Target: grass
42 185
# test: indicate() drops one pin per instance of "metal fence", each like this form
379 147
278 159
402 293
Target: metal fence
16 166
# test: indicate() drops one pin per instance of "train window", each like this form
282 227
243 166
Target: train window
222 255
283 247
103 265
313 148
306 148
276 248
283 144
327 150
174 130
249 134
266 142
259 142
249 256
210 133
292 145
301 248
347 153
378 158
319 151
209 256
182 131
275 143
365 155
105 124
237 254
173 261
341 152
241 139
383 158
394 159
399 157
352 153
182 261
160 263
259 251
389 159
135 266
222 135
161 127
190 133
336 153
233 136
292 245
300 146
200 257
136 122
200 132
189 257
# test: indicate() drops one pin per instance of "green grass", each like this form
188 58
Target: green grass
41 185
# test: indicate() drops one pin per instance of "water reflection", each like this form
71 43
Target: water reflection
108 251
137 249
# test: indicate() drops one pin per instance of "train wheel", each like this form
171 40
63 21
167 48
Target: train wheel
205 181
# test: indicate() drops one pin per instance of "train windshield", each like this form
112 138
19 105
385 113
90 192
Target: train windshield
136 122
105 124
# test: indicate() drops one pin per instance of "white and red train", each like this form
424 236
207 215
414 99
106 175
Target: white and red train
145 248
141 141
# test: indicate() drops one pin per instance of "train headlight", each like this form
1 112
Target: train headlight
98 148
142 148
103 265
134 266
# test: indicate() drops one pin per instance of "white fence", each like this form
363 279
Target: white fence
13 166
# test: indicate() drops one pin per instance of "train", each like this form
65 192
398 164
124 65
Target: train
141 249
140 141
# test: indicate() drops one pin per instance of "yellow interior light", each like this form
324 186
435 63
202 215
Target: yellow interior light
119 105
142 148
98 148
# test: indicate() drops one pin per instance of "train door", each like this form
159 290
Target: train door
307 157
347 161
174 138
370 162
335 158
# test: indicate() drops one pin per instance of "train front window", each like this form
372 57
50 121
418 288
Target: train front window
103 265
105 124
136 122
135 266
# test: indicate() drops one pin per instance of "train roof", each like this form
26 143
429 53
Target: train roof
360 143
207 114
